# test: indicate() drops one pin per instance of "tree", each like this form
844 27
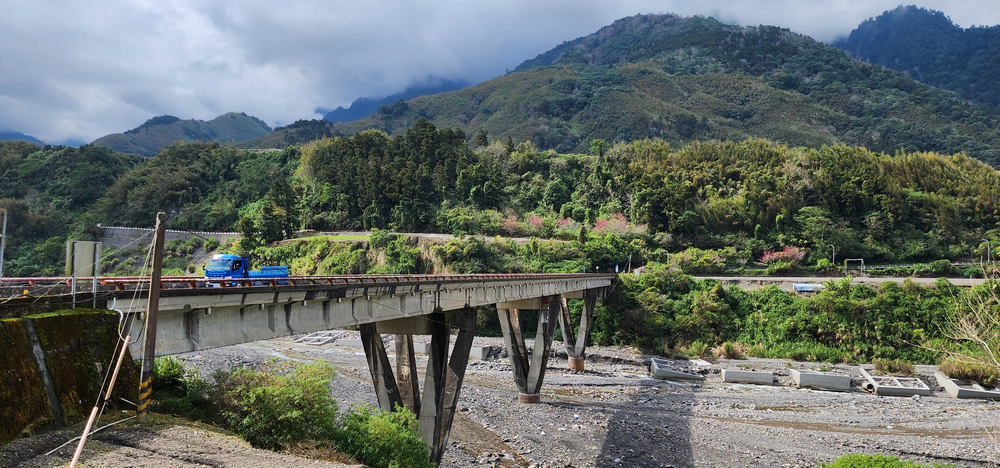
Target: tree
482 139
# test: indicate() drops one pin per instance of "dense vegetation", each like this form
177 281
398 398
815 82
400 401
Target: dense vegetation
290 407
741 204
159 132
687 79
49 195
929 47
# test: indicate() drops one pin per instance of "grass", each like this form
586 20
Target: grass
893 367
975 372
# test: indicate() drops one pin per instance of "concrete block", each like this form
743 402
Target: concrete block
748 377
350 343
822 381
962 389
662 370
481 353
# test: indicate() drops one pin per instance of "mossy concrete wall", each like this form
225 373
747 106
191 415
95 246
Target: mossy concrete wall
53 366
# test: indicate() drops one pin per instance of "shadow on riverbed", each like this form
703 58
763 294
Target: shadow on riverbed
652 429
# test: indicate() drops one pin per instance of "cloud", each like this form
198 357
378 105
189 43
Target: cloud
71 70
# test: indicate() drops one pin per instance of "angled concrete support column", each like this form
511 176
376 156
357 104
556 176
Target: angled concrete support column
576 347
443 380
529 374
406 373
386 389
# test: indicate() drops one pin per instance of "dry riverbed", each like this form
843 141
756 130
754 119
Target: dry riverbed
613 414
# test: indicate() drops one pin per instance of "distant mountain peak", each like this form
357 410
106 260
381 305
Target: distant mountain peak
366 106
159 132
928 46
8 135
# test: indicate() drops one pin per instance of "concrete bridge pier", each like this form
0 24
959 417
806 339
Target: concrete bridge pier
576 346
529 372
442 380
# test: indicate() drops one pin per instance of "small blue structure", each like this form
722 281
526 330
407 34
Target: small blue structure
807 287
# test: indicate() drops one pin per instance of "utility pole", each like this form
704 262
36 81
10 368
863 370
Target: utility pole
3 240
149 346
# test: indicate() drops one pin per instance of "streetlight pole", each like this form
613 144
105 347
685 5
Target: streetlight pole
834 248
987 241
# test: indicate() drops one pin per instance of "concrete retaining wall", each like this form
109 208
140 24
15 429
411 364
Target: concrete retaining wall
54 365
118 237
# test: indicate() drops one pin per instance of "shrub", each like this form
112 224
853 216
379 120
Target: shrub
211 244
180 392
381 439
730 350
275 406
877 461
699 349
790 254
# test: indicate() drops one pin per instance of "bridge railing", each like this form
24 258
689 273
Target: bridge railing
124 283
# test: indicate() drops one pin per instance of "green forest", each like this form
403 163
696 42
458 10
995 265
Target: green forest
749 207
718 205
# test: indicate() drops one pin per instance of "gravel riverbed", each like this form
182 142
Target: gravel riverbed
615 415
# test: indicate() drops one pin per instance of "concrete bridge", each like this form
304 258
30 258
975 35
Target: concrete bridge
193 315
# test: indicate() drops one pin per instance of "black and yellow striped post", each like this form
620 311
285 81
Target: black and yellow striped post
149 345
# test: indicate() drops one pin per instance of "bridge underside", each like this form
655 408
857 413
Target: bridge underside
192 320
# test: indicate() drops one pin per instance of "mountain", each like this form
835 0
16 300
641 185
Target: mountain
157 133
363 107
686 79
929 47
4 136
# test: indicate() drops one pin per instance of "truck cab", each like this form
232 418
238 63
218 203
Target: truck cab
226 266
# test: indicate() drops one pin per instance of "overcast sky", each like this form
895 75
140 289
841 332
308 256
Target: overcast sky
75 71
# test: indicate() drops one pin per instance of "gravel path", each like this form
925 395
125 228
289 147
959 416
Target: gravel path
615 415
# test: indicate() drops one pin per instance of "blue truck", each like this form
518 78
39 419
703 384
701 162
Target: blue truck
229 266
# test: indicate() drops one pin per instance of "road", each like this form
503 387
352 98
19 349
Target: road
786 282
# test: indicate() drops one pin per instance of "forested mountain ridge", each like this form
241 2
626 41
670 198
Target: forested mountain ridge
687 79
363 107
4 136
157 133
929 47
